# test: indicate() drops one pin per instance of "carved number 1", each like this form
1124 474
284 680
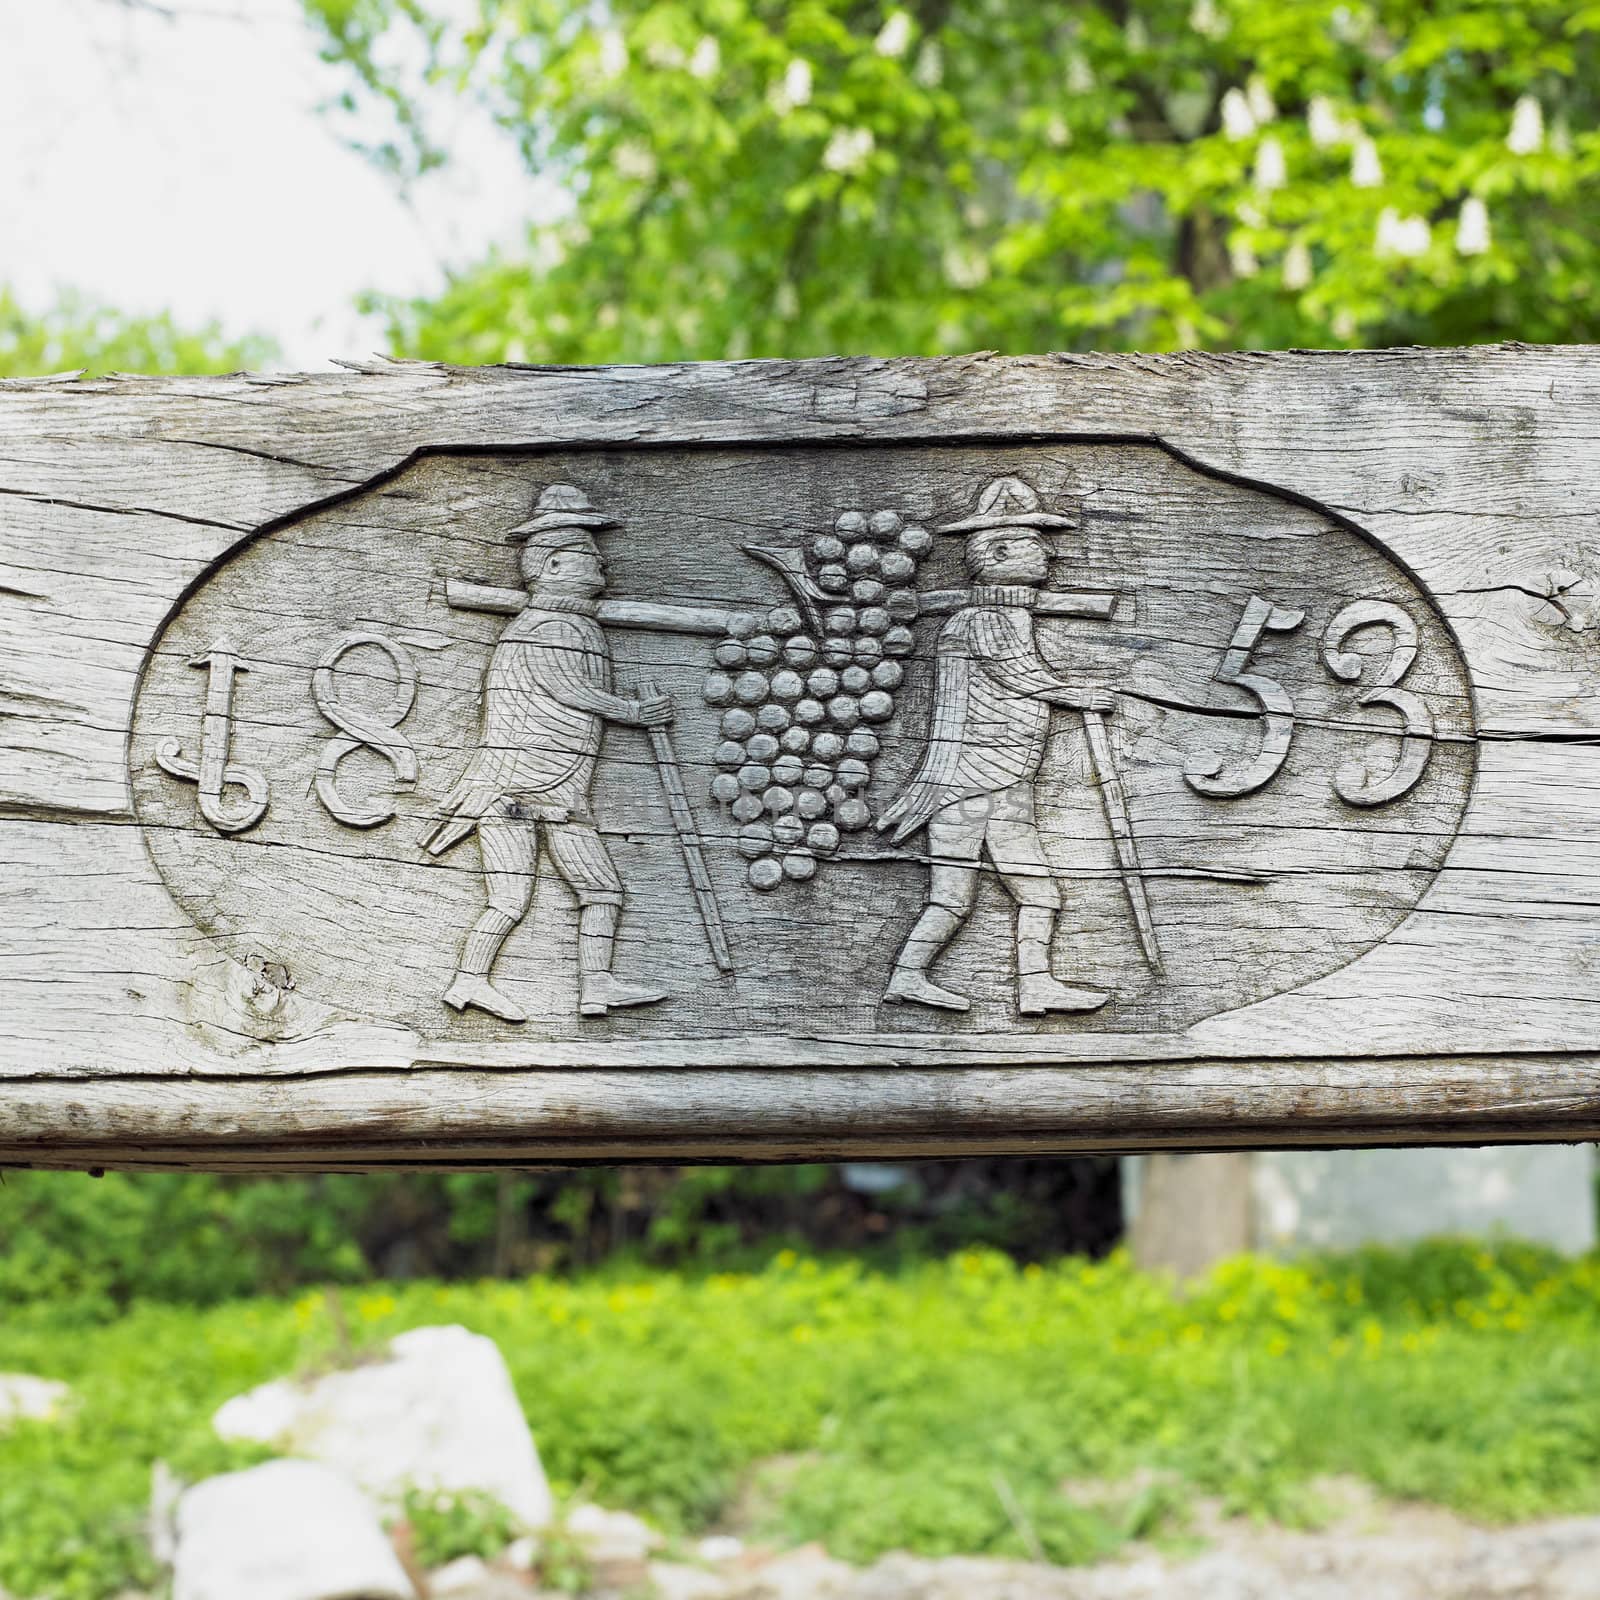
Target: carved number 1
1204 773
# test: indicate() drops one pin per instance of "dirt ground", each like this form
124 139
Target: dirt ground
1371 1551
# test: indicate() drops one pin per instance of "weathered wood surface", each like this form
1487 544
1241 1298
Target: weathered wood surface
224 942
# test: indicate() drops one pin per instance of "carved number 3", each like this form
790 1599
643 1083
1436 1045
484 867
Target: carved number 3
373 728
1204 773
1353 782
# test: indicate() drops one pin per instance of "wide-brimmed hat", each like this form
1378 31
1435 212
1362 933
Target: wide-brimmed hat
562 506
1008 503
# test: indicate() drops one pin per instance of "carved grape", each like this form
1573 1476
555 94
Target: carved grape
795 745
755 839
765 874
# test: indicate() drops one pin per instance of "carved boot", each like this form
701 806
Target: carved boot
909 983
1038 992
467 989
599 992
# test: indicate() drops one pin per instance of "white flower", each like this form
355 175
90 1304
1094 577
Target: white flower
787 301
1259 97
797 82
1345 326
1272 171
636 162
1527 127
1366 170
1402 236
929 70
1472 228
794 90
1325 124
1238 120
894 37
966 269
613 53
1136 34
848 150
664 54
1206 20
1297 266
1080 75
707 58
1058 133
1242 258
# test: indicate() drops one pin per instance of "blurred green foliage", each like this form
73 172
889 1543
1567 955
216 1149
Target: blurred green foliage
106 1242
962 1405
800 177
74 333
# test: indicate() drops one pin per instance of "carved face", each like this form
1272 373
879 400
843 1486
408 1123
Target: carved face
577 571
1020 557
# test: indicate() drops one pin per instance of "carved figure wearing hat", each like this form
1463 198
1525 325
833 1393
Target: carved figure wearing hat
546 700
974 790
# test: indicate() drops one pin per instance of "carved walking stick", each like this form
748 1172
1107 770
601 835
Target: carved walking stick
705 894
1126 846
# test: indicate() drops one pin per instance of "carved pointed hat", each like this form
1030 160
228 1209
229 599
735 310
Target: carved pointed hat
1008 503
561 506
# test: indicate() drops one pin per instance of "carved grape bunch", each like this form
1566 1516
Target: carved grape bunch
805 694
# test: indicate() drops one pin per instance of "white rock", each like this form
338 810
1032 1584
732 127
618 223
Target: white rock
289 1530
24 1398
439 1414
808 1573
522 1554
461 1577
717 1547
669 1581
608 1536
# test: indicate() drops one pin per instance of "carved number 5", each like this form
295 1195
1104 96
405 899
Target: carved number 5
1204 773
1353 782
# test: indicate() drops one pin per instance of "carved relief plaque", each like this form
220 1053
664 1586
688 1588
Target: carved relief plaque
1049 741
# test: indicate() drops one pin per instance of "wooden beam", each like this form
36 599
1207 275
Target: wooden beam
777 761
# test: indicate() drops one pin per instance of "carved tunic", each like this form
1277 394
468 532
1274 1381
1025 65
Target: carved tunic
546 698
990 721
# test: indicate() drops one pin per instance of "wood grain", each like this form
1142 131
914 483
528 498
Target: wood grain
1409 969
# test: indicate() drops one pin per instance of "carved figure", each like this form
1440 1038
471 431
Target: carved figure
546 701
974 790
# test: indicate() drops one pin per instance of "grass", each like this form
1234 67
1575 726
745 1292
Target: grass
939 1408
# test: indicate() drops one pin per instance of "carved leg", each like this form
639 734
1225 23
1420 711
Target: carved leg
951 892
1018 853
581 858
510 864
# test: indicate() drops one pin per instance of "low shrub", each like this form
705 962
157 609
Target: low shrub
941 1407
